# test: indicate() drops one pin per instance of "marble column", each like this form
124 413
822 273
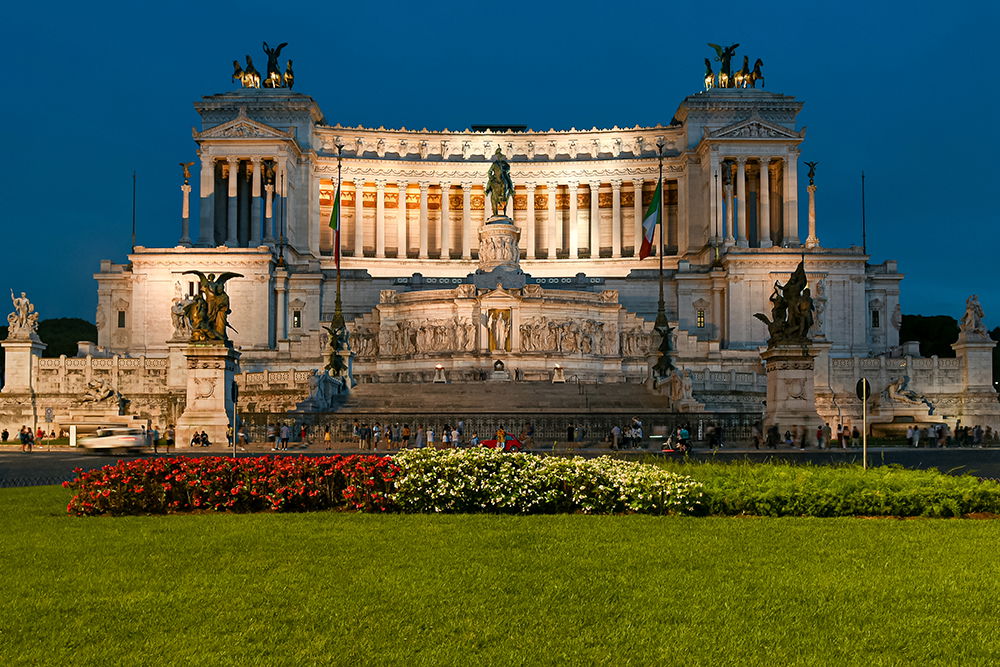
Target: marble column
555 229
727 188
380 218
715 201
402 242
281 287
234 170
595 219
269 213
466 219
812 241
185 216
206 221
424 222
574 219
616 218
529 225
741 202
791 200
764 216
637 216
683 228
255 203
445 220
282 218
359 217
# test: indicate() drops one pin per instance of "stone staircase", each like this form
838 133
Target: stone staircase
500 398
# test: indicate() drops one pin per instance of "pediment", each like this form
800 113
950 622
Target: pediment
242 127
754 128
499 294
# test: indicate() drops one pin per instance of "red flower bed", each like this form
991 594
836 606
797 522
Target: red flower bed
266 483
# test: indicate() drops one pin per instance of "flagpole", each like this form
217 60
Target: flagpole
338 313
661 315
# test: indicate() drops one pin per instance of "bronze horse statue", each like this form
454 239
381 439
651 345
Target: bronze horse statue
709 75
757 75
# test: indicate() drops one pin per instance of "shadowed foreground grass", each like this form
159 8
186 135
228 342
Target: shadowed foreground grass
417 589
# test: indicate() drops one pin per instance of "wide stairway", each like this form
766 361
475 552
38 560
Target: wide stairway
501 397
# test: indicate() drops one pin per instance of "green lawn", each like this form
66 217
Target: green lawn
417 589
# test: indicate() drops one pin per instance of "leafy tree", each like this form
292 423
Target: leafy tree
61 334
935 333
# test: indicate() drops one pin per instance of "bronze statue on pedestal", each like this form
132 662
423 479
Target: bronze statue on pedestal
791 311
499 186
208 311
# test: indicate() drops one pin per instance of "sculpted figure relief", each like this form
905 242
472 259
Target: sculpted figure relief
897 391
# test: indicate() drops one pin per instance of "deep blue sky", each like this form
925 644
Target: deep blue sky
95 90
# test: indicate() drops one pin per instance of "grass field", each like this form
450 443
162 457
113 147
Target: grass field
417 589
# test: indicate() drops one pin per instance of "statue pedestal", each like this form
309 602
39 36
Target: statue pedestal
20 357
791 393
209 406
499 256
975 353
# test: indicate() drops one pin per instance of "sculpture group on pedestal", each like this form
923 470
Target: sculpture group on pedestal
743 78
207 312
791 311
249 77
972 322
499 185
23 322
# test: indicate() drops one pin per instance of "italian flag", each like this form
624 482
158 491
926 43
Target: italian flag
649 222
335 226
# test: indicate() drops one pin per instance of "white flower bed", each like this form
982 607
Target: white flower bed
486 480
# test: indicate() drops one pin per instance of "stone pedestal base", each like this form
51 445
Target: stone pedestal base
791 394
209 406
500 376
20 357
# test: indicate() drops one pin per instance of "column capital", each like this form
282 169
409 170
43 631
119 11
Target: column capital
424 186
256 160
616 184
232 160
467 185
740 160
530 186
637 182
402 186
551 185
359 180
380 184
594 185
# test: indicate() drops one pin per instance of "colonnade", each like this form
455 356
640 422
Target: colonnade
731 211
241 200
579 231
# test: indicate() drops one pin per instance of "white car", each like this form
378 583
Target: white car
116 440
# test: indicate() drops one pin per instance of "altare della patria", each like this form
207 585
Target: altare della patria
496 274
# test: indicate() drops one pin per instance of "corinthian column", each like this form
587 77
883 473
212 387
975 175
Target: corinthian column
185 215
595 219
574 220
555 231
791 200
255 203
466 219
812 241
424 222
206 217
359 216
616 218
445 220
741 202
529 224
402 243
637 216
234 169
764 233
380 217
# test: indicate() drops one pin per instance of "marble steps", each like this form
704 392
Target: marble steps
489 397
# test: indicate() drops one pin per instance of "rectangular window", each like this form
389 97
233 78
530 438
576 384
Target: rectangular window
192 288
875 319
121 319
296 319
701 319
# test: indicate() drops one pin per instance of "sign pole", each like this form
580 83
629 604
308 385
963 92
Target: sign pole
864 425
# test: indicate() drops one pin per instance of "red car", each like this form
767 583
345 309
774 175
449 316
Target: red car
511 445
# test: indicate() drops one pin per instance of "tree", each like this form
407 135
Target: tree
935 333
61 334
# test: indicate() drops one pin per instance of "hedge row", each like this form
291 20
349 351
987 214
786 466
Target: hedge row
776 489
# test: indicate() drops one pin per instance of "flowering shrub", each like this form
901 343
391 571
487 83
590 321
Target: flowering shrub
486 480
281 484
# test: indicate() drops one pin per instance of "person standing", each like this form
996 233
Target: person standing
616 437
421 440
327 438
855 437
406 435
171 434
285 435
820 439
455 438
430 437
154 437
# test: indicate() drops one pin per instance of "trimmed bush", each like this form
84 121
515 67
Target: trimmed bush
216 483
776 489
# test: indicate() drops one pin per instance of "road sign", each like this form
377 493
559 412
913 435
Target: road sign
863 389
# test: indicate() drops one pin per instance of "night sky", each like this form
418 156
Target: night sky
95 90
